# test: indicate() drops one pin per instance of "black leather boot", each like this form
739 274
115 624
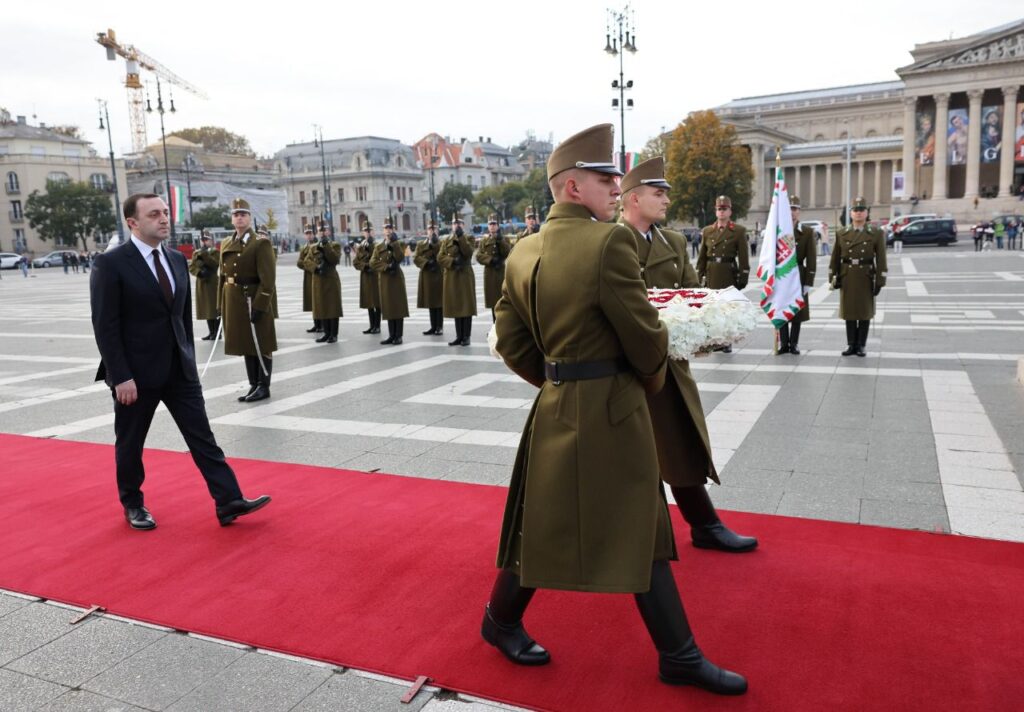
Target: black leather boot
467 328
680 661
332 328
794 337
251 367
376 321
862 336
211 325
783 339
458 332
851 338
433 326
502 626
325 327
706 530
262 391
316 327
399 329
391 334
437 321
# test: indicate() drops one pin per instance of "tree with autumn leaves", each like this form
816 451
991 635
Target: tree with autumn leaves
704 159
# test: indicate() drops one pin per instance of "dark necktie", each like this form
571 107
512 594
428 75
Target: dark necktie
161 277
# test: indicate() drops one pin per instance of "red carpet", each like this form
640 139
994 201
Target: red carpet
390 574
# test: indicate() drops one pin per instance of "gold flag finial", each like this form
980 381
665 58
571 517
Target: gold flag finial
778 156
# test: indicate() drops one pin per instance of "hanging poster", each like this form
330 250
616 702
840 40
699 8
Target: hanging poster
956 137
991 133
925 139
1018 146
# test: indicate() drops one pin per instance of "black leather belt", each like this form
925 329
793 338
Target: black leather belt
584 370
241 282
857 261
721 259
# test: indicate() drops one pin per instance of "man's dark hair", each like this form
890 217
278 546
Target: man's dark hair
133 200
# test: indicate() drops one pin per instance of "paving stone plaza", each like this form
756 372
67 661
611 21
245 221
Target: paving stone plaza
924 433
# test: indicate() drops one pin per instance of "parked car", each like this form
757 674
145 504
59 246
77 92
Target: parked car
939 231
817 225
9 260
53 259
901 221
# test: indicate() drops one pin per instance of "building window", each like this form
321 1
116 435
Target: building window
341 196
305 221
406 222
99 181
391 192
302 198
58 177
313 197
361 194
19 240
469 181
16 213
344 223
483 181
13 186
410 195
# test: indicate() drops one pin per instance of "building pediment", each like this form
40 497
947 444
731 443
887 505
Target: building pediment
996 48
750 133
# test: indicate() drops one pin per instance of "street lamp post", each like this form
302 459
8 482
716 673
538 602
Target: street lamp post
848 152
618 46
318 140
163 140
113 171
190 160
433 195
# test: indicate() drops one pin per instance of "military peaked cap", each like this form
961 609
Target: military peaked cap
240 205
530 212
860 203
794 202
650 173
492 219
723 201
590 149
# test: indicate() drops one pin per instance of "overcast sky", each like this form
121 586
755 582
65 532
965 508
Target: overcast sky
402 70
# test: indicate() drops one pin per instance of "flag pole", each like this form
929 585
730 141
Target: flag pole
778 167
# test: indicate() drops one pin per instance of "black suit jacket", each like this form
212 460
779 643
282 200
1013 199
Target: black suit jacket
136 331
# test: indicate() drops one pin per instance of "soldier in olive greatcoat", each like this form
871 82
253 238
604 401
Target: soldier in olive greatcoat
532 225
680 431
248 303
459 285
807 260
492 253
430 295
204 265
327 309
306 265
369 284
386 261
724 257
858 270
585 508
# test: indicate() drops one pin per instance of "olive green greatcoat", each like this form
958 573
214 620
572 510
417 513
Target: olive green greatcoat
680 430
429 294
386 261
492 253
459 284
369 284
857 281
307 266
724 257
585 508
253 262
203 265
807 260
326 280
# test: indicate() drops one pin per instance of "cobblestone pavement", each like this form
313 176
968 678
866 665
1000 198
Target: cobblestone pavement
924 433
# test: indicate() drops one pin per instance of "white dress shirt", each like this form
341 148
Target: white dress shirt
147 254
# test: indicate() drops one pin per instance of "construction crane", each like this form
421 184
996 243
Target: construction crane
136 61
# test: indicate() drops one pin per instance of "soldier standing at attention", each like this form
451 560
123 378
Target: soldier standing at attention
325 256
680 431
429 294
858 270
307 266
204 265
386 261
493 251
724 258
369 285
807 260
585 508
247 291
459 285
532 224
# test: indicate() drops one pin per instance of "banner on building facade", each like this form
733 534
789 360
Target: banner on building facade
925 138
956 137
898 185
991 133
1018 145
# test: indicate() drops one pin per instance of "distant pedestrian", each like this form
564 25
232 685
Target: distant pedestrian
348 253
1011 234
23 263
1000 230
65 261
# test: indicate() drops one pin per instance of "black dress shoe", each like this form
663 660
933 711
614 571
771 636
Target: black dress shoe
861 352
375 330
370 331
464 342
388 341
782 350
457 342
240 507
397 341
139 518
688 666
720 537
261 393
331 339
314 330
850 351
727 349
513 641
429 332
209 337
794 350
252 389
323 339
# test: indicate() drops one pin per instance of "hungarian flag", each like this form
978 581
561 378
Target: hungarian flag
782 295
177 205
631 159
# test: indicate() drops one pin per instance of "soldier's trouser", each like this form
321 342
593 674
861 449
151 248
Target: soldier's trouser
467 327
437 319
508 598
213 325
252 370
789 335
862 332
851 332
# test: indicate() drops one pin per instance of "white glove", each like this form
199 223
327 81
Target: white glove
807 288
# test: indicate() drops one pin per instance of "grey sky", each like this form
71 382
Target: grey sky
402 70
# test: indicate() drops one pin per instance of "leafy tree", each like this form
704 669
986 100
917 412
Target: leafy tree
655 146
506 199
216 216
704 160
451 199
5 116
217 140
70 212
67 130
271 220
538 194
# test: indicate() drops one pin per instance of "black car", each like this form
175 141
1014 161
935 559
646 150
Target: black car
921 232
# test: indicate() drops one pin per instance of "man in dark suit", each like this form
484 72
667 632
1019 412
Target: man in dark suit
142 319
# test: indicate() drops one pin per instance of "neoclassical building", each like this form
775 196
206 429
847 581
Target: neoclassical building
949 134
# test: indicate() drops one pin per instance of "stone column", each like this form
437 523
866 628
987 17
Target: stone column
1006 156
877 197
828 186
757 156
813 193
860 180
939 181
909 139
973 142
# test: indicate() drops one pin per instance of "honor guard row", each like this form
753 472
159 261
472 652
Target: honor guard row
858 269
321 283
